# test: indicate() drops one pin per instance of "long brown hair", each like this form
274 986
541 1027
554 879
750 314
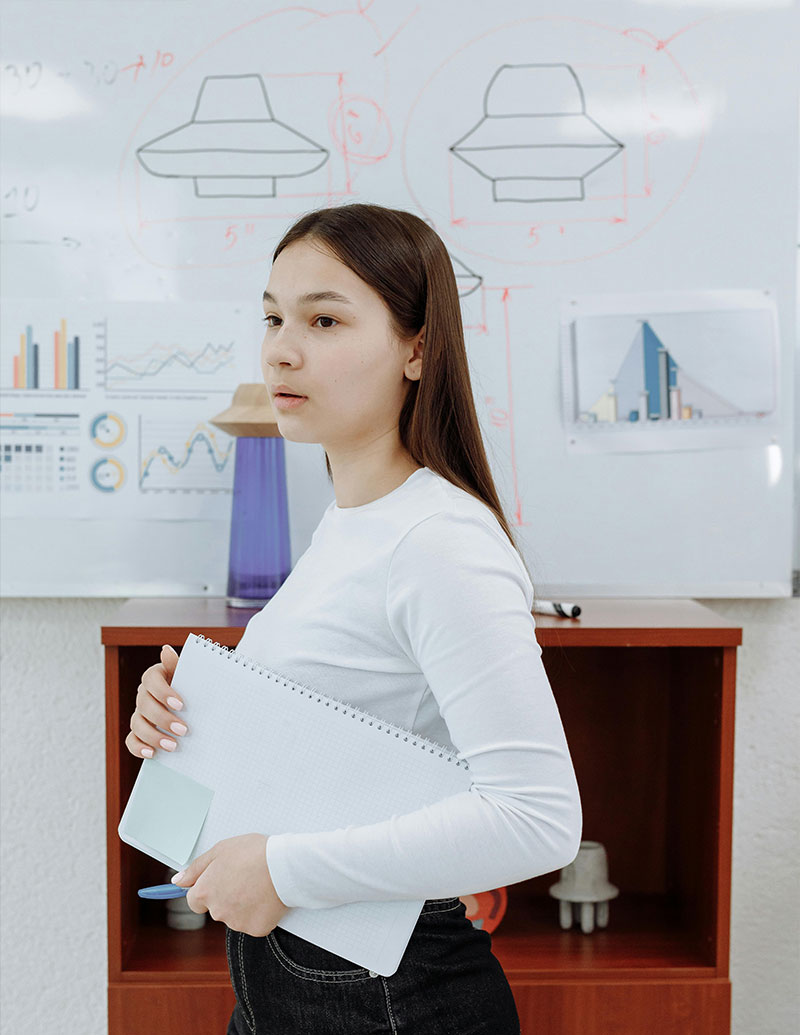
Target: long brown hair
402 258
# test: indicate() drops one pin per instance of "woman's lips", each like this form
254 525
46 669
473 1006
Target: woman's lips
288 402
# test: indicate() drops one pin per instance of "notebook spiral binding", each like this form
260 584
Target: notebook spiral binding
417 741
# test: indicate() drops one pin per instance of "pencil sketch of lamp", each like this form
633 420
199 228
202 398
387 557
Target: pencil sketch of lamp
535 141
466 280
233 146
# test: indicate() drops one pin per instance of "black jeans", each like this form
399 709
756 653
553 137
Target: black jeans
448 983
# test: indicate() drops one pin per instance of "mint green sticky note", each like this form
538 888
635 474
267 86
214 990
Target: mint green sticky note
165 813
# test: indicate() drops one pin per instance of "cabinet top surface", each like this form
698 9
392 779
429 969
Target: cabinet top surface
602 622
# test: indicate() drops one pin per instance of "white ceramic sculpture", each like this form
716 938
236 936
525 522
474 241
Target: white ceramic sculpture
583 890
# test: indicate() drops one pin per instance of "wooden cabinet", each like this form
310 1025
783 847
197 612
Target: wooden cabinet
646 692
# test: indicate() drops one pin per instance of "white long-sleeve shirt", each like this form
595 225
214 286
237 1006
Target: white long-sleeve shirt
416 607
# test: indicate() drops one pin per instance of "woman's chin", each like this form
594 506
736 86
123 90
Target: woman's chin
296 433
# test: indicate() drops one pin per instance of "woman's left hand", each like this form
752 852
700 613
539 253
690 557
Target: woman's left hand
231 881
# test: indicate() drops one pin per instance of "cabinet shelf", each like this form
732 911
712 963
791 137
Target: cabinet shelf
644 939
645 690
160 953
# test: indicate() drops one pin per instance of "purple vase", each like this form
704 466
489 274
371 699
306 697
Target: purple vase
260 554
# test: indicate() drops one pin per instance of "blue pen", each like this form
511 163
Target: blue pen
162 891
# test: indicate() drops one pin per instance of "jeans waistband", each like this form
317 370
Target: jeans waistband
433 905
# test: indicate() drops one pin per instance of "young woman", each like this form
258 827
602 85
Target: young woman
411 602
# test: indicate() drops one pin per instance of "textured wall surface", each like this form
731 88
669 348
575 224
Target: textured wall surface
52 784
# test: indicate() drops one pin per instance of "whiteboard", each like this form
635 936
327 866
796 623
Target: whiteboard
616 186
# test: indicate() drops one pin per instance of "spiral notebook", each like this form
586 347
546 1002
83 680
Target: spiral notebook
266 755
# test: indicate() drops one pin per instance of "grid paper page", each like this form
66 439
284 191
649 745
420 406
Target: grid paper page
282 757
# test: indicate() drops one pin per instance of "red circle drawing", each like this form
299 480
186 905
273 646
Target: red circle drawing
360 130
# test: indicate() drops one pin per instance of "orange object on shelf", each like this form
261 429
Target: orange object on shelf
486 909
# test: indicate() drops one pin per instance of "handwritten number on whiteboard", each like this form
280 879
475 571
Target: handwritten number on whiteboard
14 76
11 196
30 76
497 416
28 199
233 237
352 132
162 60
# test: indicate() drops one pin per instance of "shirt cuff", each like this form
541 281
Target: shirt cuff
280 871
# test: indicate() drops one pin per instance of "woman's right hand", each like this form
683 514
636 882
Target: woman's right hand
154 698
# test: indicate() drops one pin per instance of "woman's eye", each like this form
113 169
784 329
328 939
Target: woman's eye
271 320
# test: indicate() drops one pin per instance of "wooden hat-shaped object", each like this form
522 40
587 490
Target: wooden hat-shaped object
250 415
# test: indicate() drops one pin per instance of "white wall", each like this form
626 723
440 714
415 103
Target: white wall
52 784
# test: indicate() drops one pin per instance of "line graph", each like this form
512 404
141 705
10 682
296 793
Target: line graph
178 456
170 365
171 346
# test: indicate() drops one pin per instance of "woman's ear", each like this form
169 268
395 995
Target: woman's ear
413 369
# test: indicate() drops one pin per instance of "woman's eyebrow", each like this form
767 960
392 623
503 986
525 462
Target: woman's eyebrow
312 297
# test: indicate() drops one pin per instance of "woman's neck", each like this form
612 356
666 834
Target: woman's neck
357 483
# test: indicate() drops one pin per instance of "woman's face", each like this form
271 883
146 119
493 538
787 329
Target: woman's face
328 337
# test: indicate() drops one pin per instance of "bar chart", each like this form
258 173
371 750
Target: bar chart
65 371
698 366
670 370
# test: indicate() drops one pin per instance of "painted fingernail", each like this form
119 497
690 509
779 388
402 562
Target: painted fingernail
168 745
177 727
148 752
173 702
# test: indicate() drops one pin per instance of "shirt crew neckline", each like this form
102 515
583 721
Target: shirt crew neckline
374 503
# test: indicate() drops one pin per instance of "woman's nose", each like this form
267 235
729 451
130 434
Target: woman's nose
279 347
